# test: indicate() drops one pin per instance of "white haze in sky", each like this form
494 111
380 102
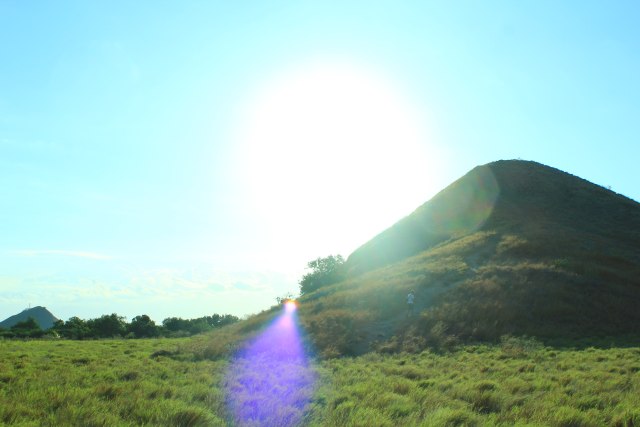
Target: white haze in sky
189 158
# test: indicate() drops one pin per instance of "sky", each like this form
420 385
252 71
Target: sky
189 158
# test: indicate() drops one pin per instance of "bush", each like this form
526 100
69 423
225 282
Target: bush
324 271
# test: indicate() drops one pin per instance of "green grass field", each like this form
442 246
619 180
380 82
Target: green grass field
158 382
106 383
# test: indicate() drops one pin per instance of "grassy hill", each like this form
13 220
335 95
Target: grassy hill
41 315
513 247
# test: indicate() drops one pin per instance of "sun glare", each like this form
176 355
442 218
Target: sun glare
270 380
333 154
290 306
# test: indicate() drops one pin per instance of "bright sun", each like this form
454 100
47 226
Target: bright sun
331 155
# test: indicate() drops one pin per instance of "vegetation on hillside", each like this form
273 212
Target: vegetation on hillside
323 272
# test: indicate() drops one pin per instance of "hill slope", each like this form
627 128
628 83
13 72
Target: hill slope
513 247
40 314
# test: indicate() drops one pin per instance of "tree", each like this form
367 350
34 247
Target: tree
218 320
74 328
175 324
143 327
27 329
26 325
324 271
107 326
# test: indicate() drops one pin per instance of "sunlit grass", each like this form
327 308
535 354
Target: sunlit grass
105 383
519 382
482 385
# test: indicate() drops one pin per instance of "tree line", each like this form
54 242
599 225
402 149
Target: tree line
321 272
114 326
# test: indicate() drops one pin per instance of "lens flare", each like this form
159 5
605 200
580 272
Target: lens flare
270 381
290 306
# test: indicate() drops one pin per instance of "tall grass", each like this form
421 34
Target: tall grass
150 382
106 383
482 385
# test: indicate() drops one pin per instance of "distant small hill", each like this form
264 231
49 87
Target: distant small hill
512 247
40 314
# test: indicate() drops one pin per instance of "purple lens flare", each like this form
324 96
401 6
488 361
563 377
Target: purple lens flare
270 380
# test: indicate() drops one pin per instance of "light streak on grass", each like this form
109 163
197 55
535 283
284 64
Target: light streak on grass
270 380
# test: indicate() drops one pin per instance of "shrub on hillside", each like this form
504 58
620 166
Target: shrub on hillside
324 271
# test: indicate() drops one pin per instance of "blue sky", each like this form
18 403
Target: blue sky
189 158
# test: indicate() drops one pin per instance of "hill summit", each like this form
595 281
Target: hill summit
507 195
40 314
512 247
